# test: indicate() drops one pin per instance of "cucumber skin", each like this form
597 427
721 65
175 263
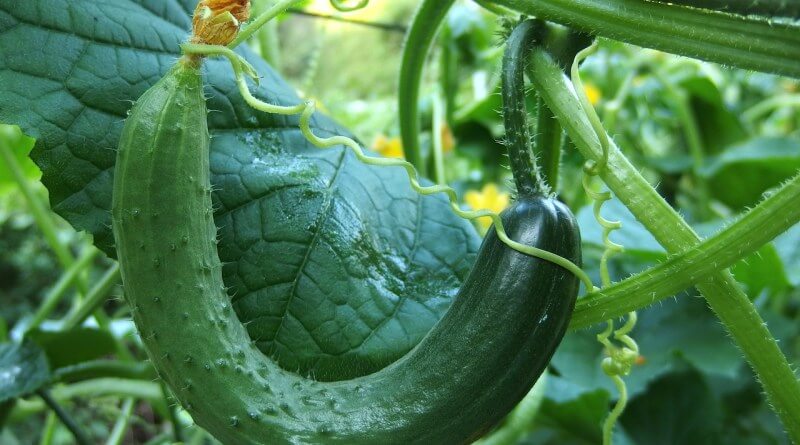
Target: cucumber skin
473 367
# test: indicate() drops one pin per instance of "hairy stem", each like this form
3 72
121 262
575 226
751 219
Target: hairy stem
768 8
747 42
721 291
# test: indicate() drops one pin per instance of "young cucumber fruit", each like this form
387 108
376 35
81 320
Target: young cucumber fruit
472 368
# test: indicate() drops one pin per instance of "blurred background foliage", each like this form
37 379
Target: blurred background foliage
714 140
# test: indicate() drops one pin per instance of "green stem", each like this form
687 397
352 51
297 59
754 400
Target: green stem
256 24
769 104
55 294
40 214
744 237
721 291
619 407
96 296
177 429
418 43
436 138
80 437
118 433
104 387
49 429
768 8
268 37
104 368
746 42
547 143
515 114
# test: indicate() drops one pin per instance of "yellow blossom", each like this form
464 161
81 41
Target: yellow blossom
490 198
388 147
592 93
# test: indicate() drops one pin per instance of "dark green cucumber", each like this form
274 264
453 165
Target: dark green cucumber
472 368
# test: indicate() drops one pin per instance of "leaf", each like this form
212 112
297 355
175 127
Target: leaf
336 268
23 370
20 146
573 413
64 348
677 408
719 127
740 175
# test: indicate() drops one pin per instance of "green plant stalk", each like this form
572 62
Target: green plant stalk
418 42
268 37
515 115
547 143
760 225
720 289
118 432
769 8
104 368
57 292
41 215
436 138
49 429
96 296
149 391
171 402
747 42
80 437
769 104
253 26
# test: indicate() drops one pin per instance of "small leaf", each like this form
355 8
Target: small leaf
64 348
678 408
739 176
23 370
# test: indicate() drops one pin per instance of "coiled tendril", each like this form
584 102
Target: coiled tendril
620 359
306 110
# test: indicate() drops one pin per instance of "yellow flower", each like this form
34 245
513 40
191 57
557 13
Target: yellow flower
592 93
216 22
388 147
490 198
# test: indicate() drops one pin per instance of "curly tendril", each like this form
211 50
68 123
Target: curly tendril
620 359
306 110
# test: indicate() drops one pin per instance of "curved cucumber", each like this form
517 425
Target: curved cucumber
472 368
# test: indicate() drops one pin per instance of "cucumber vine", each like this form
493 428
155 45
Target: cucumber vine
306 111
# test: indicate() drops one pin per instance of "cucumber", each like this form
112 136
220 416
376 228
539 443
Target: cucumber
470 370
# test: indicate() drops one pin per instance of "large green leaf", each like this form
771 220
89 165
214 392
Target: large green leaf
336 268
23 370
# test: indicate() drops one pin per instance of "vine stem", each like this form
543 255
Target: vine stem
80 437
515 115
418 42
96 296
760 225
40 214
720 289
118 432
747 42
254 25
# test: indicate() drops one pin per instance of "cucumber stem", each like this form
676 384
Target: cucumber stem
515 114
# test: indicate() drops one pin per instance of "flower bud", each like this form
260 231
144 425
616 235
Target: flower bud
217 22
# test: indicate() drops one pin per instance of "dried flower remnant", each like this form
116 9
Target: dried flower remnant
217 22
